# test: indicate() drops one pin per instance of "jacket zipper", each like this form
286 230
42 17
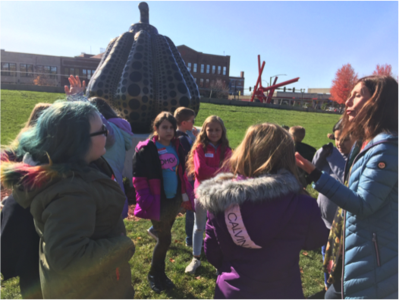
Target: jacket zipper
377 253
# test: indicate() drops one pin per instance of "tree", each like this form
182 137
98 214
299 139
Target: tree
384 70
219 89
43 80
343 84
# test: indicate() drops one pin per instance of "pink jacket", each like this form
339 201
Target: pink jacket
207 163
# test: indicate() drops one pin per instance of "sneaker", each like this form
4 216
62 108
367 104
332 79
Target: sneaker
152 233
167 283
155 283
192 267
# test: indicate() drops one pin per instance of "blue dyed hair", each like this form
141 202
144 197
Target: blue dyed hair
62 132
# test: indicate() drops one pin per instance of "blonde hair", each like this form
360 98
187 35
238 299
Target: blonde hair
298 133
266 148
203 140
34 115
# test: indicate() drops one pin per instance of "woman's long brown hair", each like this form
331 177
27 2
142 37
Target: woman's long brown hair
379 113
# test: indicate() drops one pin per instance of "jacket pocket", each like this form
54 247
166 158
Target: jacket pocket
377 253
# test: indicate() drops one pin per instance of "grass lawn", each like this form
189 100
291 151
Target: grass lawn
15 109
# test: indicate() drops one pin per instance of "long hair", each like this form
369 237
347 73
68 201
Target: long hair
165 115
34 115
266 148
105 108
203 140
379 113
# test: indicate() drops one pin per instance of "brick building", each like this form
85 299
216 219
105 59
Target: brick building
23 68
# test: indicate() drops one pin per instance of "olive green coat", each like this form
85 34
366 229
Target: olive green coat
84 251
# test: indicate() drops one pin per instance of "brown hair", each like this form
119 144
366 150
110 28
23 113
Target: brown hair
298 133
379 113
183 114
203 140
266 148
165 115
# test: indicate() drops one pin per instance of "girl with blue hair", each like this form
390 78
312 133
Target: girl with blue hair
76 206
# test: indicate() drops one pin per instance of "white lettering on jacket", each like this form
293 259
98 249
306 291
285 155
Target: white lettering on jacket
235 226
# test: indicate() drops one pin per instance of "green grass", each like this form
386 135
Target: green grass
15 110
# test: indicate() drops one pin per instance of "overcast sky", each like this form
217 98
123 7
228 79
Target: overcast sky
310 40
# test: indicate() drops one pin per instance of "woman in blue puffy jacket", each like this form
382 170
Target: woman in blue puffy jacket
362 251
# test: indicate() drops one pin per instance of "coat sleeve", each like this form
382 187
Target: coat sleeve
373 186
146 189
317 233
202 170
69 223
211 246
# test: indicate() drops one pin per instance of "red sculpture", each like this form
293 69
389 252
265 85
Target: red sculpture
259 90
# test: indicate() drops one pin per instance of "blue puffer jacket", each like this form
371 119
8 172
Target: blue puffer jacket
370 256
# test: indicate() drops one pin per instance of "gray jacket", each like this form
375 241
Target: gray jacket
329 160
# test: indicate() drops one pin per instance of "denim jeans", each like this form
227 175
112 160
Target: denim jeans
189 227
199 228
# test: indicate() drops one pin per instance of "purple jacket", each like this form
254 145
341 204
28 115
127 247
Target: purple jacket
148 180
255 231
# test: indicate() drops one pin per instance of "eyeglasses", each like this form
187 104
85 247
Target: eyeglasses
103 131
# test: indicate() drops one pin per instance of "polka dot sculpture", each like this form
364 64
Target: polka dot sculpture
142 73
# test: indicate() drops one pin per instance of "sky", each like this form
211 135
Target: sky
306 39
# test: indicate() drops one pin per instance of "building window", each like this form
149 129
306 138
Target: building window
219 69
47 70
189 66
202 68
26 70
9 69
224 70
201 82
213 69
208 67
195 80
207 83
195 68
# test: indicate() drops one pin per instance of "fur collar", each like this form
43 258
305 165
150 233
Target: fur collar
218 193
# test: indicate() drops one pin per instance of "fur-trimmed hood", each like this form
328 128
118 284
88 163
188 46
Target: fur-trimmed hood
224 190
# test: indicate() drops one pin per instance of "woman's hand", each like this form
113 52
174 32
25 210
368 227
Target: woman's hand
76 86
303 163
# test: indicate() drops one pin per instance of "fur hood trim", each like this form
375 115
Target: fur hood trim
224 190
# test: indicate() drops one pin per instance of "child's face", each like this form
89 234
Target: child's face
214 132
187 125
166 132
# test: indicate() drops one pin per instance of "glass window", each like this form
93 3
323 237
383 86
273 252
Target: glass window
202 68
76 72
46 69
219 69
53 72
195 80
66 72
84 72
71 71
208 67
213 69
22 70
9 69
224 70
195 68
207 83
89 74
189 66
39 70
201 82
25 70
